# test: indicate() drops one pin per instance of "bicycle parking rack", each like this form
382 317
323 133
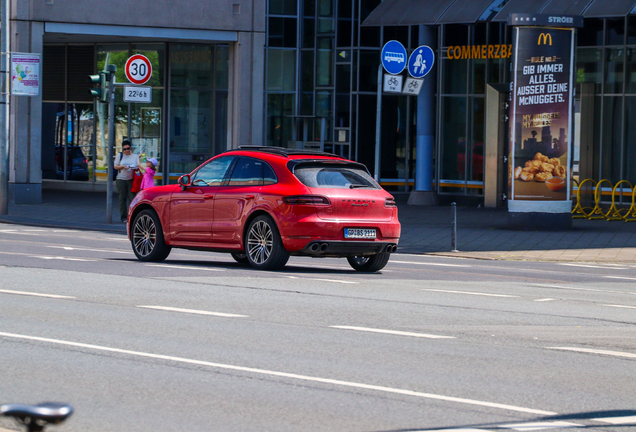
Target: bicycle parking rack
613 213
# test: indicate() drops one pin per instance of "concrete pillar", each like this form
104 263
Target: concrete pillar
424 193
247 60
25 142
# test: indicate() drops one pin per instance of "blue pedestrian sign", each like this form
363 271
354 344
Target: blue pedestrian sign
393 57
421 61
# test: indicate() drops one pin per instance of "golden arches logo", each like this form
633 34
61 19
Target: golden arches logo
545 37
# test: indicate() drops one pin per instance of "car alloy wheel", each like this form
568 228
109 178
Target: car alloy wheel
369 264
144 235
265 250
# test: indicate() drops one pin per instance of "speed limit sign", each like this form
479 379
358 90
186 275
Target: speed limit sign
138 69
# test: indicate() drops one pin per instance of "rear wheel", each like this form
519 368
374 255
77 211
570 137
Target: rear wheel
371 263
240 258
147 237
265 250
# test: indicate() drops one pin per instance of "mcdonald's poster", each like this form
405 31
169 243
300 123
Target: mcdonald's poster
542 116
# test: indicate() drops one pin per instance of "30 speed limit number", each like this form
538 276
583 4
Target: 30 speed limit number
138 69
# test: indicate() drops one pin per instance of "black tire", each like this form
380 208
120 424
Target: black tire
264 248
369 264
147 237
240 258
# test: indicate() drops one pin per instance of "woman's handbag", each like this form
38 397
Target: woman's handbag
136 185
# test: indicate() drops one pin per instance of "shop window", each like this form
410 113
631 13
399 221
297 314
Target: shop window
589 66
156 54
191 65
479 33
369 36
53 73
282 32
309 29
366 131
281 70
343 90
222 66
368 70
453 144
344 33
398 33
614 59
478 76
631 71
280 108
325 8
631 30
612 133
323 104
615 31
475 157
309 8
455 76
630 140
282 7
455 34
592 33
82 58
324 62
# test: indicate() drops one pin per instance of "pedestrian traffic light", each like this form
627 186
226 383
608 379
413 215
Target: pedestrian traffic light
101 91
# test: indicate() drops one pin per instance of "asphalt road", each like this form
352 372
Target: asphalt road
201 343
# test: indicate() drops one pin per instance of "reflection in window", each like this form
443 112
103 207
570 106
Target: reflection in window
281 70
611 138
453 140
212 173
614 70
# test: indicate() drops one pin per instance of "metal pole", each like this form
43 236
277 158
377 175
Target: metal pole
4 108
454 229
378 127
111 143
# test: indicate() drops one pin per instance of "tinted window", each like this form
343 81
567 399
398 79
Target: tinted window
212 173
269 177
248 172
335 177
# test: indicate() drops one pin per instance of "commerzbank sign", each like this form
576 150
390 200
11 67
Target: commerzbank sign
479 52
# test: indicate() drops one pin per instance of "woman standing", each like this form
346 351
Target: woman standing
126 163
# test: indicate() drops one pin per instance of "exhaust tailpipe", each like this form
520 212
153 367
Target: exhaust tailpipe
323 247
314 247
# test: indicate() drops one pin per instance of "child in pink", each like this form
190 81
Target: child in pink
149 173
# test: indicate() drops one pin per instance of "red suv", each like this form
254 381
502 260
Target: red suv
263 204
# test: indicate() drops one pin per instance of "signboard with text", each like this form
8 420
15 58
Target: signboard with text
25 74
541 115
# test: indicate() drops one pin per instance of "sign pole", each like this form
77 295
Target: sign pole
4 108
111 143
378 127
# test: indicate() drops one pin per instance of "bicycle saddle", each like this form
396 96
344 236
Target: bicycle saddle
48 412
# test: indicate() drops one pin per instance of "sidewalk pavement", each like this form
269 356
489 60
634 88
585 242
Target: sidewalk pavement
481 232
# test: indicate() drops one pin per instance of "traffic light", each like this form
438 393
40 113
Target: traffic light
101 91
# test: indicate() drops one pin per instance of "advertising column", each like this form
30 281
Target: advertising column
542 121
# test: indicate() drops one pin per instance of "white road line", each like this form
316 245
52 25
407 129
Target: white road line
393 332
621 306
425 263
594 351
17 232
69 248
594 266
323 280
185 267
35 230
36 294
620 277
617 420
63 258
294 376
544 300
583 289
470 293
194 311
540 425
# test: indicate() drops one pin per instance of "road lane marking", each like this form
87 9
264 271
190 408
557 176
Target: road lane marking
294 376
69 248
36 294
620 277
622 306
425 263
323 280
532 426
63 258
617 420
194 311
594 266
393 332
469 293
185 267
595 351
17 232
583 289
544 300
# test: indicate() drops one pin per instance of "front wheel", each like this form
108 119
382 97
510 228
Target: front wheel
147 237
265 250
369 264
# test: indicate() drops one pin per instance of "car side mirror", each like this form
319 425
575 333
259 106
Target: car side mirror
184 181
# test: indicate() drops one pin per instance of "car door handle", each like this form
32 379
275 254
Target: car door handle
249 196
208 197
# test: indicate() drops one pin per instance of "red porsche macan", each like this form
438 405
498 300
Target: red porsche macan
263 204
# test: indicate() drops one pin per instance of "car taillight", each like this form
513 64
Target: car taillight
84 161
306 200
389 202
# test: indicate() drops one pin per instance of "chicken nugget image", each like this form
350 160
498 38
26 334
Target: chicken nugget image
517 172
554 161
536 163
546 167
538 156
542 176
526 176
531 170
559 171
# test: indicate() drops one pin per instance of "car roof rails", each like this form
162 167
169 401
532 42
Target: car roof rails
282 151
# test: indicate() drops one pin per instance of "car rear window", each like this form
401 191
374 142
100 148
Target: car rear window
334 177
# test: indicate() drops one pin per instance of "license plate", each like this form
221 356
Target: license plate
359 233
